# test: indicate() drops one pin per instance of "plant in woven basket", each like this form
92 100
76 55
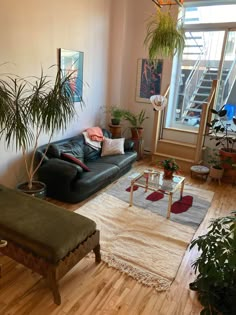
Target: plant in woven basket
216 267
164 37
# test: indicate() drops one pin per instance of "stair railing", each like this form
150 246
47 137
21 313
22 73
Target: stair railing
230 79
205 117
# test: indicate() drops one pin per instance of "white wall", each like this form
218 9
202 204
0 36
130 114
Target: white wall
128 33
31 31
111 35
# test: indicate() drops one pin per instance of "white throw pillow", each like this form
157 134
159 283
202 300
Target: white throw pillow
113 146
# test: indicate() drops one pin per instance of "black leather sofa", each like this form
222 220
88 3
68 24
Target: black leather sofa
67 182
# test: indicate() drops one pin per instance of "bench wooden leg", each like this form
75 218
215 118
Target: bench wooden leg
97 253
53 284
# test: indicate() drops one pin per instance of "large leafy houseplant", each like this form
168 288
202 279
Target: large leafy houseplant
216 267
164 37
32 107
221 131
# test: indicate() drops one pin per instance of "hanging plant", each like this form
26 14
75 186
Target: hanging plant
163 37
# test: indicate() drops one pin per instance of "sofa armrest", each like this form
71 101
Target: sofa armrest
129 145
60 171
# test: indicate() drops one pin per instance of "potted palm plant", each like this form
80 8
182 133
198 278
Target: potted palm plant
136 121
29 108
216 267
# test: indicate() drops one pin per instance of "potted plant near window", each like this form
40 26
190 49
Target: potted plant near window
216 169
216 267
136 121
30 108
224 136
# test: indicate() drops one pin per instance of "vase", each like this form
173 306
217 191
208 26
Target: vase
168 173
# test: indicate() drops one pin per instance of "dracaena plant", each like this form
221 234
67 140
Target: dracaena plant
32 107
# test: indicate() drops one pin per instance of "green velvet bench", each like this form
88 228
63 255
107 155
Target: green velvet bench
44 237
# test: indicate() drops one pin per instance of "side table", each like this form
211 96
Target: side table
115 130
138 147
199 170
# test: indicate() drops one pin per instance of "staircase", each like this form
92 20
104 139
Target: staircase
193 109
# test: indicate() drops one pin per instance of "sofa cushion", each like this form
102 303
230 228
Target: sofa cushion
112 146
99 173
55 150
71 158
120 160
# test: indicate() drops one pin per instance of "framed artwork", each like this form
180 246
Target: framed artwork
148 79
71 61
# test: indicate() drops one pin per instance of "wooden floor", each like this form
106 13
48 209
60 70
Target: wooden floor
99 290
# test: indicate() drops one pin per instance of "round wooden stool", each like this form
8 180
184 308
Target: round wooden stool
200 170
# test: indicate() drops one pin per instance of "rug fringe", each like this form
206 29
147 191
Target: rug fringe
146 278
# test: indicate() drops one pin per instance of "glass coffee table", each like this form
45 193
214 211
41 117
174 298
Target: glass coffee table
155 181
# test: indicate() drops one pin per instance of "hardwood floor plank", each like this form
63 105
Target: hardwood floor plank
90 289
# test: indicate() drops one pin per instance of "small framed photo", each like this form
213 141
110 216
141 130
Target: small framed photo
71 61
148 79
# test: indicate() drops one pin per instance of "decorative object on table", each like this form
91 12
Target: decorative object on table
71 62
164 35
224 137
199 171
136 121
216 267
29 108
169 166
149 76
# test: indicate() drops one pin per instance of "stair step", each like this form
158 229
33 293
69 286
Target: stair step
192 109
175 157
193 53
188 145
197 102
193 46
201 94
204 87
206 80
193 37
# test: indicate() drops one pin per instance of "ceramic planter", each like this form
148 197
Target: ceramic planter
38 189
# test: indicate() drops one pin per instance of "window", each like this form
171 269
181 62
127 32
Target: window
209 53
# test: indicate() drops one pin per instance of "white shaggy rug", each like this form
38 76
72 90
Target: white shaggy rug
142 244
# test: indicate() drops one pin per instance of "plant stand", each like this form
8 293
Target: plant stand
115 130
216 174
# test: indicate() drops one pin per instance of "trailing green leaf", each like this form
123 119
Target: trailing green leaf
163 38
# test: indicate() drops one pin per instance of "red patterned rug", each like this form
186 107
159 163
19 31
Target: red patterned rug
190 210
